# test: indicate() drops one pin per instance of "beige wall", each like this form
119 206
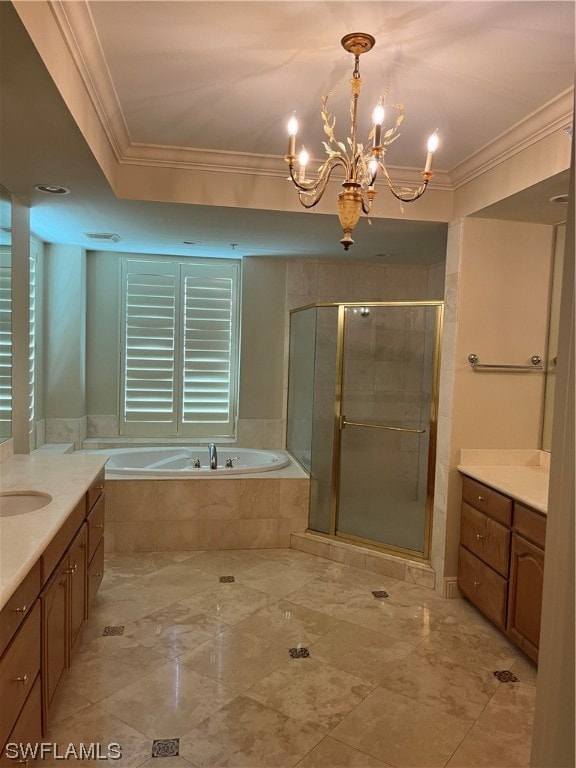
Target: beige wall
497 293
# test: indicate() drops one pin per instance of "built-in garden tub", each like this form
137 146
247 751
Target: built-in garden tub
193 461
157 500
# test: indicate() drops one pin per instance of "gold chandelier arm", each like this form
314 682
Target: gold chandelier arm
317 186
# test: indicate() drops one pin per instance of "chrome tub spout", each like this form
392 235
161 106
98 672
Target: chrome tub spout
213 456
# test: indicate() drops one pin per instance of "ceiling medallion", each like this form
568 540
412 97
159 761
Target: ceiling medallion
360 165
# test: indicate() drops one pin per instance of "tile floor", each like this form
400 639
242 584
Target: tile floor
202 675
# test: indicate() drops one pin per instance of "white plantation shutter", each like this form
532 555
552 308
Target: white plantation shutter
149 346
32 340
209 349
5 344
180 348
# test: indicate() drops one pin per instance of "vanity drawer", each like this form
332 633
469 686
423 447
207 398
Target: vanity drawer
28 728
96 526
18 606
485 538
95 572
487 500
530 524
18 670
483 587
62 539
95 490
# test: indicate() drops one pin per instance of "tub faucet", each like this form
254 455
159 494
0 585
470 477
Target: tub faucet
213 456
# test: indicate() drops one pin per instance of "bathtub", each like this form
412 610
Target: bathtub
179 462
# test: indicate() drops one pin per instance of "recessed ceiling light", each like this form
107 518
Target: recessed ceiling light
559 199
52 189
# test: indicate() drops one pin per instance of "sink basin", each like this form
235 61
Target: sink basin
20 502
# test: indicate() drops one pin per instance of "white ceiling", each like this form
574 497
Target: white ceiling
223 77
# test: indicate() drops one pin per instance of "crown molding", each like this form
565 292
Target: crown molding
553 116
77 28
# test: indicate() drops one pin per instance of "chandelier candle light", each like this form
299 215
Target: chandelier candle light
360 165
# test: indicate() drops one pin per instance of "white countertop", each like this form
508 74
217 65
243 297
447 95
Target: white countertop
23 538
525 478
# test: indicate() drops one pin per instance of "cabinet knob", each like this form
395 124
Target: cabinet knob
97 575
23 679
22 609
481 498
72 569
100 525
479 536
476 583
99 487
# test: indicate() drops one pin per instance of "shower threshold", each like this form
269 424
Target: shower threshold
385 564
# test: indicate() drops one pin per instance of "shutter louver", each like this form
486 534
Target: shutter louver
150 342
180 349
206 371
5 346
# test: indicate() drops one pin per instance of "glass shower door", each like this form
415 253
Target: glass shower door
388 424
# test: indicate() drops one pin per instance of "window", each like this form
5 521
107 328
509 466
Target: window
5 343
32 343
179 348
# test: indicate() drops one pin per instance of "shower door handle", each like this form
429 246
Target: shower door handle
345 423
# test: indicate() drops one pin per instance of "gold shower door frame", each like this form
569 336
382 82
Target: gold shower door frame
339 425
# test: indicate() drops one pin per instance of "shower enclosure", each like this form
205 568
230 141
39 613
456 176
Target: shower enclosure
362 412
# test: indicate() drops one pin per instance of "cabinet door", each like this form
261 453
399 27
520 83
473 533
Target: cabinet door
525 595
55 632
78 559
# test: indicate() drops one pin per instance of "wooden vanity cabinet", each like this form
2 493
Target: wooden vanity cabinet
19 669
501 561
42 622
96 514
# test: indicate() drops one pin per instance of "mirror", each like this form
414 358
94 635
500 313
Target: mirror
5 315
553 326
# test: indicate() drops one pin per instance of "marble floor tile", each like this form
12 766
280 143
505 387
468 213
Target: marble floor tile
330 753
525 670
123 604
362 652
401 731
174 630
288 624
469 644
336 598
410 622
247 734
311 691
511 710
274 578
67 701
460 691
107 664
235 659
167 762
94 725
168 702
172 583
484 748
231 603
228 562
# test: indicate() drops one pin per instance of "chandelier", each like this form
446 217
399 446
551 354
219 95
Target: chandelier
360 165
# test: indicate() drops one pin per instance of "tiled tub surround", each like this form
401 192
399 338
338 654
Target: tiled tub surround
23 538
238 512
396 682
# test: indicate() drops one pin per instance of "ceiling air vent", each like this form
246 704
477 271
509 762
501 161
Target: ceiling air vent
103 237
